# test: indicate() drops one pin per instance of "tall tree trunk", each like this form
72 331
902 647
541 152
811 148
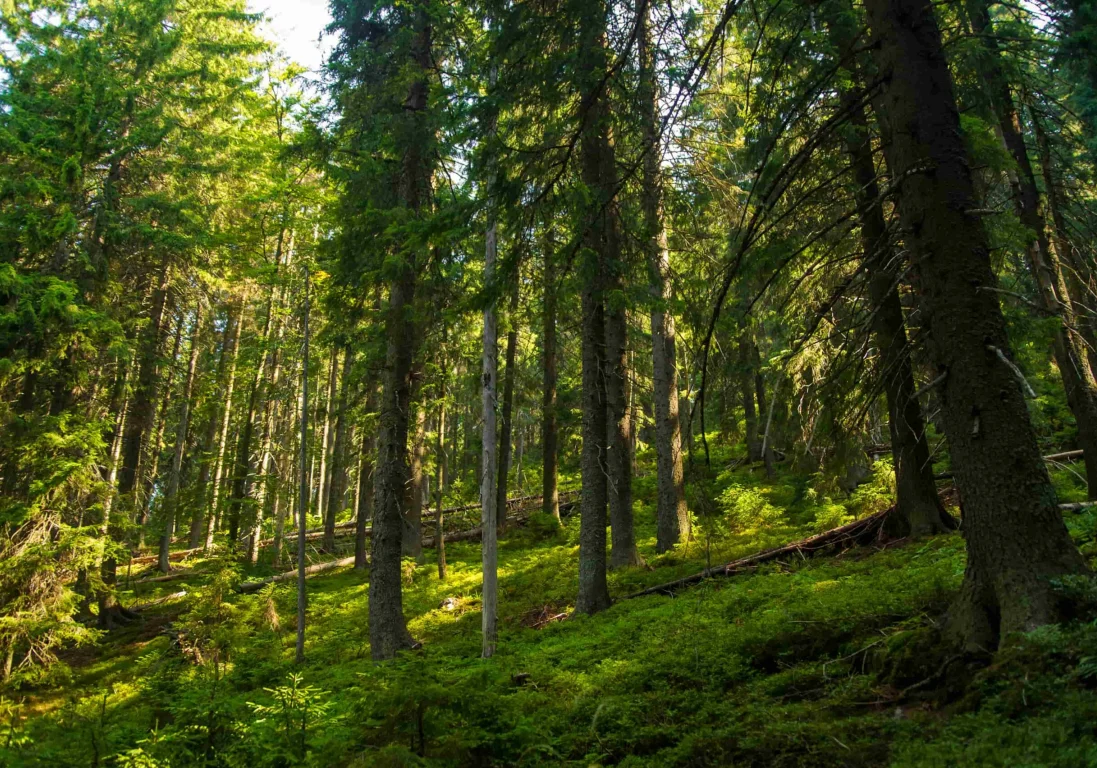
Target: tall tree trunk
236 322
328 436
623 551
1081 285
550 498
440 470
209 441
337 488
180 444
303 487
155 446
766 448
671 515
602 239
268 480
1068 347
747 395
412 543
1017 543
920 509
387 627
505 425
139 423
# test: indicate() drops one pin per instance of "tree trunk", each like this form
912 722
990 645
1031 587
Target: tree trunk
387 627
505 425
766 449
440 473
138 423
671 514
489 382
366 469
1016 540
747 394
326 440
303 487
412 542
337 488
180 444
236 321
623 550
155 446
550 498
919 507
209 440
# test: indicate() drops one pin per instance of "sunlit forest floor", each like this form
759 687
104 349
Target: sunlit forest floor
829 661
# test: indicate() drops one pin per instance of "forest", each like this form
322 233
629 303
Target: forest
549 382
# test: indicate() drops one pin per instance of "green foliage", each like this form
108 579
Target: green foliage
747 509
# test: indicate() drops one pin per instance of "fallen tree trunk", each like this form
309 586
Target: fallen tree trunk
473 534
180 555
1063 456
858 532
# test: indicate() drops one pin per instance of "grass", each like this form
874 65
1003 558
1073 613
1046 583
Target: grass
799 664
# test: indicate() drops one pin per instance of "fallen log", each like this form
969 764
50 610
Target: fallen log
1065 455
182 554
859 531
470 535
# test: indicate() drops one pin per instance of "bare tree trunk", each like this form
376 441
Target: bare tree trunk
205 470
303 489
236 321
550 498
916 493
366 470
747 393
412 542
337 488
326 440
671 514
1017 543
489 383
766 449
623 551
155 446
180 444
1068 346
440 472
505 427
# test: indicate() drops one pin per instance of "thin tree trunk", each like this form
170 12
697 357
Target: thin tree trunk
766 449
180 444
1017 543
366 471
303 489
337 488
326 440
671 514
412 542
623 551
1068 347
155 447
916 493
747 394
505 426
236 321
550 497
198 515
440 476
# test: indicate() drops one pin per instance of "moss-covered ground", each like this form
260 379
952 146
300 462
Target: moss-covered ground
832 661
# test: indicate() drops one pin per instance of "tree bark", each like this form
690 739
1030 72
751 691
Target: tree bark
918 505
236 321
1016 540
180 444
550 459
440 472
337 487
412 542
326 439
671 514
366 469
623 551
505 425
747 394
387 627
1068 347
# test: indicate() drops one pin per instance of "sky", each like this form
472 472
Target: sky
296 26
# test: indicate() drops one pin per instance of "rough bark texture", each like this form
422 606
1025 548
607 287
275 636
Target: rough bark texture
366 482
412 543
671 514
388 631
918 505
1016 540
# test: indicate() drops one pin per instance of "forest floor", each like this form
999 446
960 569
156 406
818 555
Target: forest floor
829 661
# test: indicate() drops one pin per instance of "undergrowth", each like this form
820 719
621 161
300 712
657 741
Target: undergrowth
824 662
